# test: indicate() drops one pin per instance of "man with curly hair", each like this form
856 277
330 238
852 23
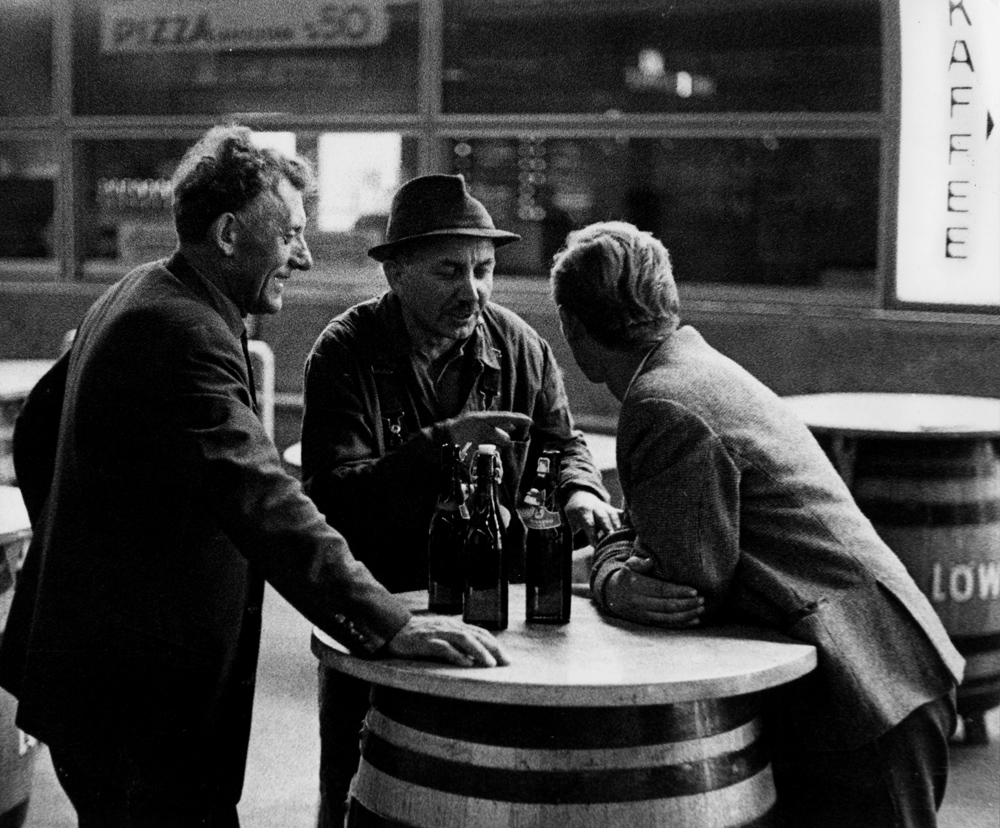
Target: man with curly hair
160 506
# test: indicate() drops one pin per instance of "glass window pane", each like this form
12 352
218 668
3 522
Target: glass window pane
26 66
773 211
28 174
126 216
167 57
642 56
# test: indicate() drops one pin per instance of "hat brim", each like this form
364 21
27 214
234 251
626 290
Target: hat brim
381 252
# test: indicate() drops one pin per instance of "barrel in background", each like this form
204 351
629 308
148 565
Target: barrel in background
443 763
17 750
936 503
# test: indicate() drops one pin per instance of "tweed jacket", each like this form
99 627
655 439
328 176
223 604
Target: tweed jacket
370 449
729 493
158 508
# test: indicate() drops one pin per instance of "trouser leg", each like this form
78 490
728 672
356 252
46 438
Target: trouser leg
896 781
343 704
114 796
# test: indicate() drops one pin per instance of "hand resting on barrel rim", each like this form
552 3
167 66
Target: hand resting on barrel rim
441 638
633 594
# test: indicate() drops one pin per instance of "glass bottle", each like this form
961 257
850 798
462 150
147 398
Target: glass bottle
446 538
485 563
548 547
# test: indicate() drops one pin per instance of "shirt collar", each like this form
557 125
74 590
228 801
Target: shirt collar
222 304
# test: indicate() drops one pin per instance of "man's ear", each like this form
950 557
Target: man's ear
572 327
223 233
393 272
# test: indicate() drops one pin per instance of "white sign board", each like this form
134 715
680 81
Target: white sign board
141 26
948 221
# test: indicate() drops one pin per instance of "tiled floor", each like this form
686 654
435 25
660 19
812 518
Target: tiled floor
280 790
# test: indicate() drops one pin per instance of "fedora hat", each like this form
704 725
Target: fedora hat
437 205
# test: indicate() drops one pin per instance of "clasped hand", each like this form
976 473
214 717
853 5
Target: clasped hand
635 595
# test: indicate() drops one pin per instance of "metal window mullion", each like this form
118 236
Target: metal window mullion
430 87
62 108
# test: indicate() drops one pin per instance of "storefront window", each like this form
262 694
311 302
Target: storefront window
28 174
174 57
560 56
26 66
125 195
751 211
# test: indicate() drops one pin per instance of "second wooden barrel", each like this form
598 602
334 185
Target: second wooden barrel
17 750
429 762
936 503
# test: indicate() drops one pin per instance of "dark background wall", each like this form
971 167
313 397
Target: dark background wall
793 349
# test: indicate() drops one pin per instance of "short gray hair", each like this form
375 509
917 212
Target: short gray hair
618 281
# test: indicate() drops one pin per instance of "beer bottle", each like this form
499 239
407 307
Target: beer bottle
548 546
446 538
485 562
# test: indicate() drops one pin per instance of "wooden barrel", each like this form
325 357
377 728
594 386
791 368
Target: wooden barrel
429 762
17 750
936 504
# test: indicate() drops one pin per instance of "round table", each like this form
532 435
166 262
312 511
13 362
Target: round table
925 469
17 378
597 722
17 750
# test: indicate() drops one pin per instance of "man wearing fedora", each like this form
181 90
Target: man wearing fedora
431 361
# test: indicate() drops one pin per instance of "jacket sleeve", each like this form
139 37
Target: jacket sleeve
682 490
36 435
379 500
236 469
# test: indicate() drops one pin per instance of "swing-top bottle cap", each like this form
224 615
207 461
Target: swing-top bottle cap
487 448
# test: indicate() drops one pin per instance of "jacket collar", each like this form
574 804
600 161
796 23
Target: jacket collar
180 267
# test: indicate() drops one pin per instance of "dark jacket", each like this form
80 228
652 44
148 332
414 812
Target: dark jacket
371 453
136 618
730 494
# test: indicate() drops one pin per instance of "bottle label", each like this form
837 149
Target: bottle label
538 517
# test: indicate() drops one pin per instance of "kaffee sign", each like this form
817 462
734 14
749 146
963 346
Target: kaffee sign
948 217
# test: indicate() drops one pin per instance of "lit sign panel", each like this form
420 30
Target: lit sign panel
948 222
223 25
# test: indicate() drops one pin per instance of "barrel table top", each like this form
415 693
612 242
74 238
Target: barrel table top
18 376
14 524
593 661
931 416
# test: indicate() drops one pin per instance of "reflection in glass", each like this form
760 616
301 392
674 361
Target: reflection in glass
793 212
175 57
26 63
504 56
28 173
125 199
127 219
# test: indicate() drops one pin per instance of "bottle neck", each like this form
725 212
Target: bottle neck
450 481
486 481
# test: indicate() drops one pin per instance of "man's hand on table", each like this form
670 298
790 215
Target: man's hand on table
486 427
447 639
631 593
587 513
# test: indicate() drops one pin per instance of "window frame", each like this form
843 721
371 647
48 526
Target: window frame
433 128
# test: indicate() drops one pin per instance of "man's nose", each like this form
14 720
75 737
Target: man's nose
302 259
468 288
